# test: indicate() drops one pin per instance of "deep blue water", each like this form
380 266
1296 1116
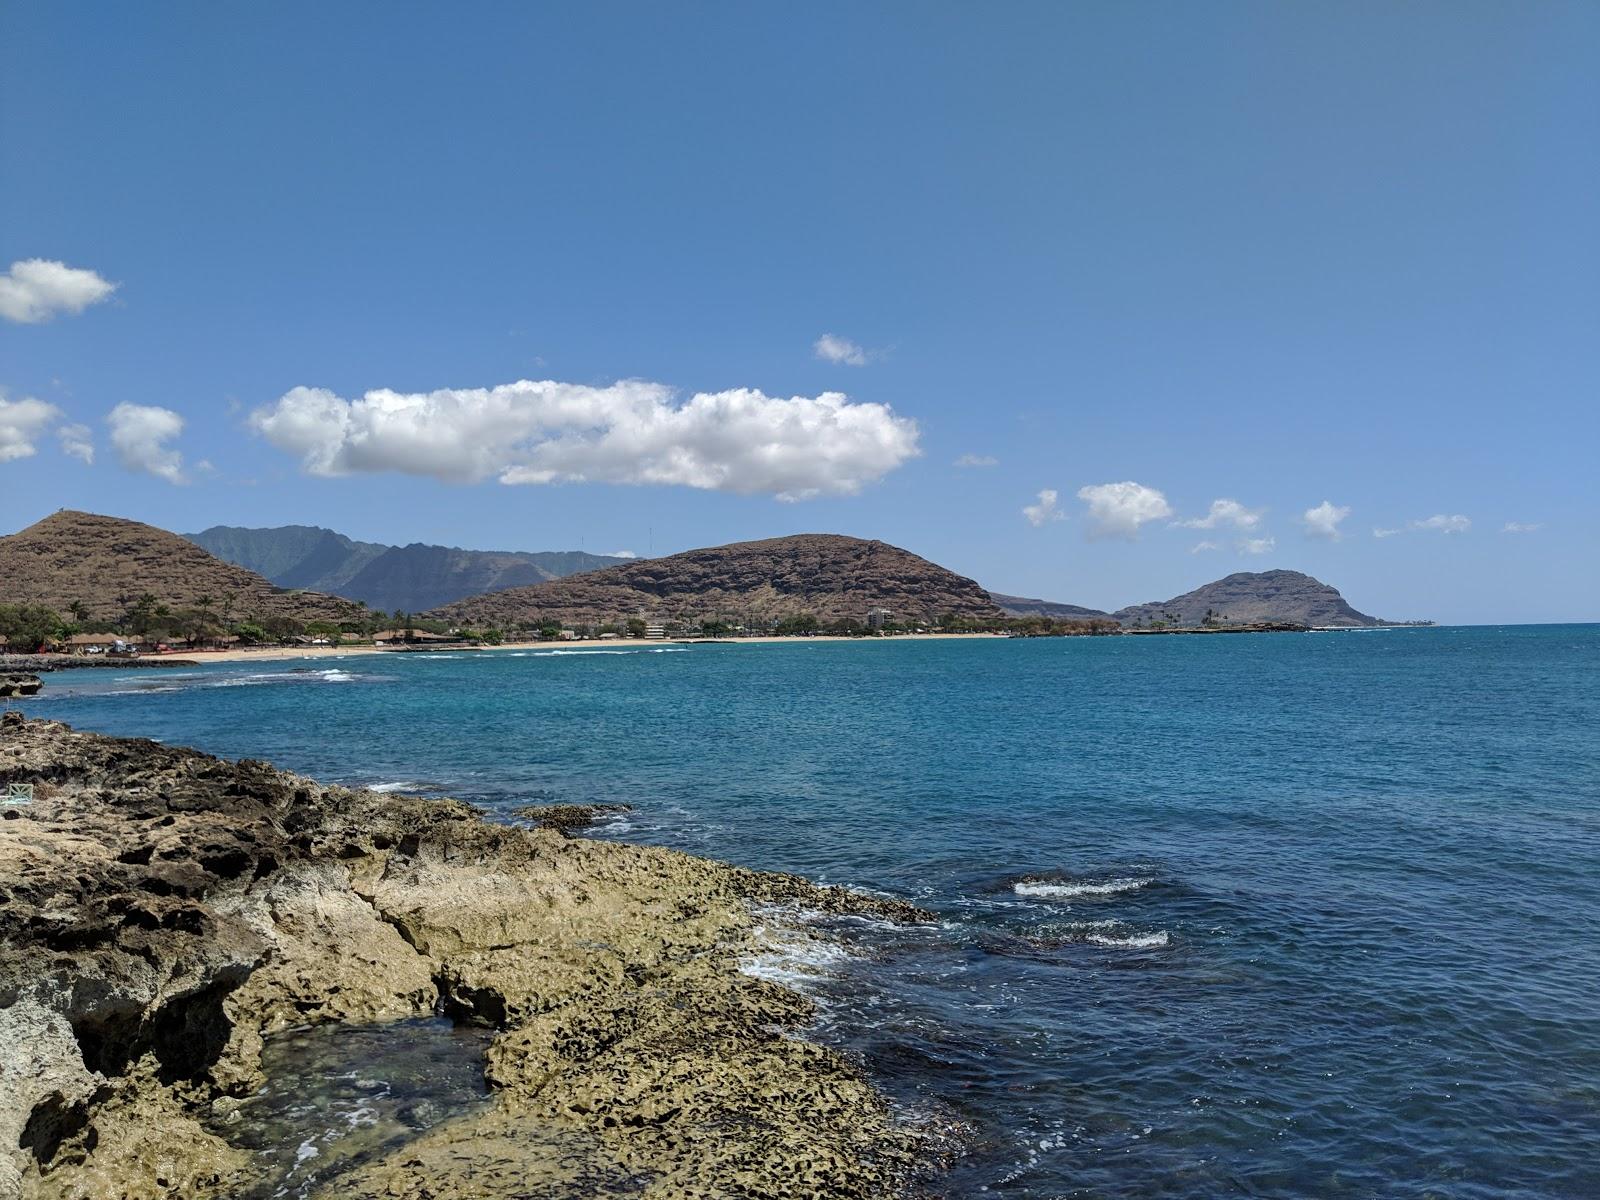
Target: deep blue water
1288 915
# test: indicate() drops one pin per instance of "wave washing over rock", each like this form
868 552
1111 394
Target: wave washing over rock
166 911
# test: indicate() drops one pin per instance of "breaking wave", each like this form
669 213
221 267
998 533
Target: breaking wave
1067 889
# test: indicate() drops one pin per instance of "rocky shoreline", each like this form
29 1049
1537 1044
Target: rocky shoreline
40 663
165 911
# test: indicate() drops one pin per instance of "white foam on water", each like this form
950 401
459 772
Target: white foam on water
792 957
1065 890
398 785
1138 941
336 676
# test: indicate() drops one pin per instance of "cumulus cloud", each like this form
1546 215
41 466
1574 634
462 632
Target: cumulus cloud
1118 509
1323 520
1045 510
36 289
1521 527
140 433
1225 512
622 554
632 432
834 349
77 441
1202 547
1443 523
977 460
1261 545
22 423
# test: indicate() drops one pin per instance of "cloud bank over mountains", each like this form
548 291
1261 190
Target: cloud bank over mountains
631 432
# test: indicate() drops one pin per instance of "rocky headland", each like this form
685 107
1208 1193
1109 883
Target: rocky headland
165 911
826 575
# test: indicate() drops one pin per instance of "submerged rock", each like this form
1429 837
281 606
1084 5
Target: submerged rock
164 910
569 818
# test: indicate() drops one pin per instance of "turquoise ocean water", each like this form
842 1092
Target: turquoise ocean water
1288 915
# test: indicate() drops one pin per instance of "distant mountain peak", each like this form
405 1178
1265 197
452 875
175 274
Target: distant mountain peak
96 561
1249 596
409 578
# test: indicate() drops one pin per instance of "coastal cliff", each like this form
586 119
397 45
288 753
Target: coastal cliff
166 911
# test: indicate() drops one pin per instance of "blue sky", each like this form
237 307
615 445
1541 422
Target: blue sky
1305 258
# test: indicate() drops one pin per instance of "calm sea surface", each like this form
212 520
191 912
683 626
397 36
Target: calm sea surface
1287 915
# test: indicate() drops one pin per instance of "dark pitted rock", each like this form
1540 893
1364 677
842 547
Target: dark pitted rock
12 686
163 911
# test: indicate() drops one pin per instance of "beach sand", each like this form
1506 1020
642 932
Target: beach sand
274 653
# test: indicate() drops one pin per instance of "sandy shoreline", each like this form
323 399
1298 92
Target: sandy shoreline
275 653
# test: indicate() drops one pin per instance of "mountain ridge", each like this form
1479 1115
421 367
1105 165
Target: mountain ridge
829 576
409 578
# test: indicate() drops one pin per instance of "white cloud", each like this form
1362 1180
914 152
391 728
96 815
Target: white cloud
1202 547
36 289
1118 509
622 554
1442 523
77 441
1323 520
1045 510
22 423
1261 545
140 433
1386 533
1225 512
632 432
977 460
1521 527
834 349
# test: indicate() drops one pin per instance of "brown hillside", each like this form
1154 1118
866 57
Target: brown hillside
827 575
76 556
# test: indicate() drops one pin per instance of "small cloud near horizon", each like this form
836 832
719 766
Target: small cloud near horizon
22 423
1323 520
1119 509
1261 545
140 433
1224 512
1443 523
622 554
830 347
1522 527
1202 547
1386 533
1046 510
977 460
77 441
36 290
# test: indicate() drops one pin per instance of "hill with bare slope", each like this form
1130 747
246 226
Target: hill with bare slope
103 563
827 575
1249 596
